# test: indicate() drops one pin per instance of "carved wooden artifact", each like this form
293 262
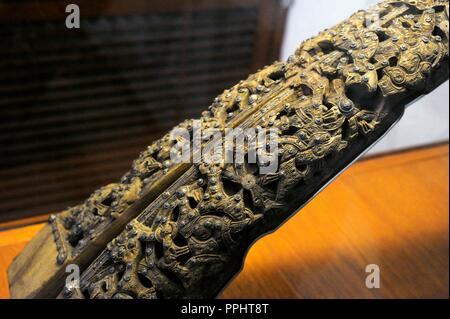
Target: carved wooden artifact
182 230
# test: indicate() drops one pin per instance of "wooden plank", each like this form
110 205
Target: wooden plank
399 222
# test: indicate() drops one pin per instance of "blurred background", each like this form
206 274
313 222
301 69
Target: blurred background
78 105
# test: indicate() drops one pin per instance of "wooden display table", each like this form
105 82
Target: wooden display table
400 222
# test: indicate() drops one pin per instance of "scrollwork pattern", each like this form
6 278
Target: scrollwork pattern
324 99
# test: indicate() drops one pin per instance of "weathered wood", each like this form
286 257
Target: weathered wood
44 276
400 226
182 231
97 229
35 278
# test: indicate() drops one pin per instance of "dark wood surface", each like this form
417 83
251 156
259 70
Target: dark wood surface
391 211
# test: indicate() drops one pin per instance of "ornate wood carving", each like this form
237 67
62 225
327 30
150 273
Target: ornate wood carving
337 95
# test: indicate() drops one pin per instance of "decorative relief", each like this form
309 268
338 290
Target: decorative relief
191 240
81 224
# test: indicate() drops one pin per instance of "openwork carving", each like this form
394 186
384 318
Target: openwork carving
74 228
329 101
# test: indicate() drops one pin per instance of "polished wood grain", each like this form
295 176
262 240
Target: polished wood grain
391 211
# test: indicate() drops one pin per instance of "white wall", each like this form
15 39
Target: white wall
425 122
